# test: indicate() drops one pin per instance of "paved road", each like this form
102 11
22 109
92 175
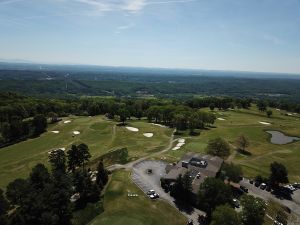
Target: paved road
294 205
147 182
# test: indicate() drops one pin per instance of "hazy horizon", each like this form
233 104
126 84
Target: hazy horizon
228 35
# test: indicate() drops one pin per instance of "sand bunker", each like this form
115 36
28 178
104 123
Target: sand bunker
55 132
180 144
181 140
264 123
63 149
148 135
67 121
159 125
132 129
278 109
175 148
289 114
220 118
76 132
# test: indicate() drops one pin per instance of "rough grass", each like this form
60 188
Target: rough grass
262 151
99 134
120 209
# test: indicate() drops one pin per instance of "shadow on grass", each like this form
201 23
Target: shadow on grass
244 152
122 124
184 207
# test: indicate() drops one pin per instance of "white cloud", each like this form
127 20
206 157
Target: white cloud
131 6
9 2
124 27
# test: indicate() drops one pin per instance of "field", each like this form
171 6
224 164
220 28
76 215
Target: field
103 135
99 134
121 209
262 151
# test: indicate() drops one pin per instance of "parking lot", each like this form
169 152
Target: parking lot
147 180
293 204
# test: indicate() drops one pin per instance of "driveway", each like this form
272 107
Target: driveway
147 181
294 204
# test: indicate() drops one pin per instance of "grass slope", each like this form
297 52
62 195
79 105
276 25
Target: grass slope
120 209
99 134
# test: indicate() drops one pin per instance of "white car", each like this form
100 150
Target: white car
290 187
150 192
154 196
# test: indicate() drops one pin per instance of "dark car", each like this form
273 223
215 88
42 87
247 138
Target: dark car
251 181
268 189
257 184
287 209
244 189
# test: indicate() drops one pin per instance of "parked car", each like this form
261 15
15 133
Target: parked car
243 188
154 196
251 181
290 187
150 192
257 183
236 203
268 189
262 186
296 185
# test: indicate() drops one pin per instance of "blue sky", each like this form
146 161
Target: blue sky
248 35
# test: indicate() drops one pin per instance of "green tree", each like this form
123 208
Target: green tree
233 172
17 191
182 188
262 106
6 131
123 114
218 147
242 142
279 174
84 154
102 175
4 206
212 193
269 113
225 215
39 177
39 123
253 210
74 159
57 160
212 106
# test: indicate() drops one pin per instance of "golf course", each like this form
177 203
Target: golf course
103 135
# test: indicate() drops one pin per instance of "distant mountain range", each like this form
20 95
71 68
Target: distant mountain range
19 64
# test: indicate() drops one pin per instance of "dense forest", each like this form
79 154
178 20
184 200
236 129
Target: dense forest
73 81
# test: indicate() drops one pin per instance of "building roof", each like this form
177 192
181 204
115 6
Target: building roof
198 171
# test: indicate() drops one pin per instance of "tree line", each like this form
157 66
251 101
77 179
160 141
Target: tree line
50 197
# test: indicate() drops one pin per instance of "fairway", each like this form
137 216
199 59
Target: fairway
99 134
262 151
120 209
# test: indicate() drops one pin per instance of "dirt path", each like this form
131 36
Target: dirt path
131 164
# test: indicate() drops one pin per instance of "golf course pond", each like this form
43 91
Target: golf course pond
280 138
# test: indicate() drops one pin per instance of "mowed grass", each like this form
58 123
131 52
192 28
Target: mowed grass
99 134
262 151
120 209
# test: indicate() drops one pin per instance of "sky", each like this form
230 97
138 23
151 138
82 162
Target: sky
243 35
